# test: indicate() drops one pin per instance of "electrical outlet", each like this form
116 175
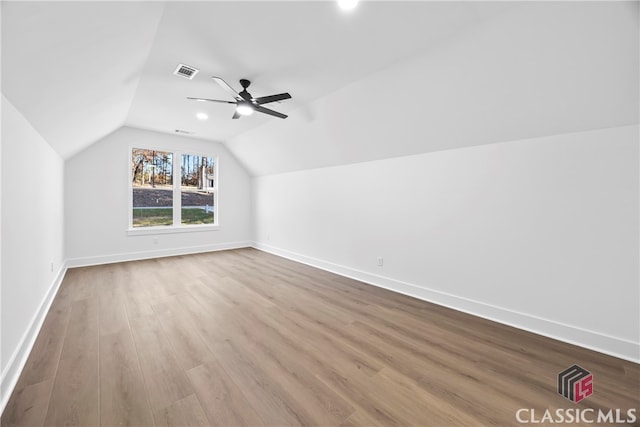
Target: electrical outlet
380 261
155 240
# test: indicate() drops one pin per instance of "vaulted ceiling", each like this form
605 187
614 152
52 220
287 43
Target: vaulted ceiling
80 70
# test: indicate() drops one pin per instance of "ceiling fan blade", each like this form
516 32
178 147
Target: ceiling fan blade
211 100
272 98
269 112
224 85
236 115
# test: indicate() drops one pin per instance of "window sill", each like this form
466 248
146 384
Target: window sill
145 231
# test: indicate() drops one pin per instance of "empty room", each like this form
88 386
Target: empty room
321 213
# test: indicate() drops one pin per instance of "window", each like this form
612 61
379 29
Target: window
197 189
152 188
162 203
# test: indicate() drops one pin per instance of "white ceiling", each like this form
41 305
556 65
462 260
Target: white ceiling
72 68
543 68
79 70
308 49
390 78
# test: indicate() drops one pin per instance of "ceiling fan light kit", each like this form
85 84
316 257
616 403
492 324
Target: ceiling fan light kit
347 4
244 109
245 103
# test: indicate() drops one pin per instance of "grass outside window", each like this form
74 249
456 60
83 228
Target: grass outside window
153 217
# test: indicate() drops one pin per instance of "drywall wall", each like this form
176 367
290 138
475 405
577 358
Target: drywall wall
543 68
541 234
32 238
97 199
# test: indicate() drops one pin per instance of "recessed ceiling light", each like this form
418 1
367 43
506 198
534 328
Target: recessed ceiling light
202 116
347 4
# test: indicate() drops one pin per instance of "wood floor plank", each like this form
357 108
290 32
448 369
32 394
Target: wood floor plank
45 355
245 338
413 404
264 394
75 399
81 284
123 397
134 287
164 379
137 305
205 294
28 405
113 314
185 412
175 315
316 337
359 419
222 400
325 406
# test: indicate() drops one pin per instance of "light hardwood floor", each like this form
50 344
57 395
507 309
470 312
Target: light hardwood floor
246 338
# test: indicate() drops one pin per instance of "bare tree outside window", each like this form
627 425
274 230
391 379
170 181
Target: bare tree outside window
153 187
197 189
152 184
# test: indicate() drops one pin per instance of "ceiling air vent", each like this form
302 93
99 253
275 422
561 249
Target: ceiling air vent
185 71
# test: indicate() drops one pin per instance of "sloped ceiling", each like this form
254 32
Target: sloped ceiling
307 48
72 69
388 79
543 68
80 70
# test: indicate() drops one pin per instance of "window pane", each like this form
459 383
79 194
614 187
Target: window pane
197 187
152 173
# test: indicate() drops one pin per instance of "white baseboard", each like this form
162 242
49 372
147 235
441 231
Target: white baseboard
18 359
135 256
617 347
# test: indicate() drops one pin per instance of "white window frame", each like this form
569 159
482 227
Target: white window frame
177 226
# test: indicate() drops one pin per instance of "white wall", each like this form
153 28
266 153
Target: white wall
97 202
32 238
541 233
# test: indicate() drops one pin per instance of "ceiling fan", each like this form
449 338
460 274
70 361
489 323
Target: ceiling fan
245 103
